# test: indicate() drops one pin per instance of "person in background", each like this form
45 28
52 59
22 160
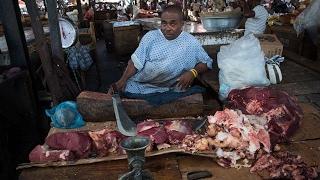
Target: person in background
195 7
166 62
89 14
257 16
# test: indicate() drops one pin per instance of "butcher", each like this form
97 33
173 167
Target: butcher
166 62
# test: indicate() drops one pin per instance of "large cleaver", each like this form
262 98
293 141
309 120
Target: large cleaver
125 125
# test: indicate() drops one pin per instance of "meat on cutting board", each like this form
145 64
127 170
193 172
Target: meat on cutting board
153 130
42 153
177 130
78 142
106 141
281 110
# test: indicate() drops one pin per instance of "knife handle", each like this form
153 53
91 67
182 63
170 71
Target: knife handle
114 88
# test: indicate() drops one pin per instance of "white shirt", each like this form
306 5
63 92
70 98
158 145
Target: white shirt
160 62
257 24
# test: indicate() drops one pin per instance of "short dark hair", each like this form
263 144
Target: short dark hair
173 9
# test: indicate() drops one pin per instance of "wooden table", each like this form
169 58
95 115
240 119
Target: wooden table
298 81
305 142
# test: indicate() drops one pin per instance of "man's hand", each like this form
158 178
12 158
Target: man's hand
185 80
120 85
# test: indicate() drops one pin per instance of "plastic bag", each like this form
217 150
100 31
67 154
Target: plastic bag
65 115
309 20
241 65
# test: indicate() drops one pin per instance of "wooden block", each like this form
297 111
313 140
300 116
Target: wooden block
164 167
96 106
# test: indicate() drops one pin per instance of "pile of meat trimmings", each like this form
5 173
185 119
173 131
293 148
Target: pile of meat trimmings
233 136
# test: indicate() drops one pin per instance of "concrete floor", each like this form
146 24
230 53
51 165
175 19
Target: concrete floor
109 68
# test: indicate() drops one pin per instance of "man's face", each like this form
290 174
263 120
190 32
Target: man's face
171 25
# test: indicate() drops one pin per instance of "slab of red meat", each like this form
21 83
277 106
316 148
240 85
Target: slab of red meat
77 142
106 141
281 110
146 125
41 154
177 130
153 130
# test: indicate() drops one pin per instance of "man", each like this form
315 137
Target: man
257 16
166 60
89 14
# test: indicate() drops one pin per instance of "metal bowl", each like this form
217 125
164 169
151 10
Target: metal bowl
220 23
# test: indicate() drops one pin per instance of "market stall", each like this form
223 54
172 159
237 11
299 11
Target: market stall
258 117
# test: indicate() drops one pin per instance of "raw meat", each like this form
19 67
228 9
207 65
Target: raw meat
106 141
177 130
195 143
153 130
77 142
42 153
282 112
237 136
284 165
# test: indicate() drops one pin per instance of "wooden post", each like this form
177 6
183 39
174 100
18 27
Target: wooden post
55 37
16 41
80 15
70 89
44 53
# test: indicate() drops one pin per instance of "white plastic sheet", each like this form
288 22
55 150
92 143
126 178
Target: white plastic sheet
241 65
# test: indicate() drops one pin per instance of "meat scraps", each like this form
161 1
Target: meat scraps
106 141
177 130
236 136
281 111
42 154
284 165
77 142
195 142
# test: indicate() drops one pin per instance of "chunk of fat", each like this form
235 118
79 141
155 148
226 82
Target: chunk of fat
64 154
212 119
232 155
221 136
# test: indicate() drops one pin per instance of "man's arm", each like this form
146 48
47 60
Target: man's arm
187 78
129 72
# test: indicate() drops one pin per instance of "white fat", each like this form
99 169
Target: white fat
63 155
232 155
47 153
219 152
221 136
252 148
212 119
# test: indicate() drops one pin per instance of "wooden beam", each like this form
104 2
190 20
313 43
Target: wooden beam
55 37
44 53
80 14
66 83
16 41
95 106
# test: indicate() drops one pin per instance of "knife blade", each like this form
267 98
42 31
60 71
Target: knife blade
125 125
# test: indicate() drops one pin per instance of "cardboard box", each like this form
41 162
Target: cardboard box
270 44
